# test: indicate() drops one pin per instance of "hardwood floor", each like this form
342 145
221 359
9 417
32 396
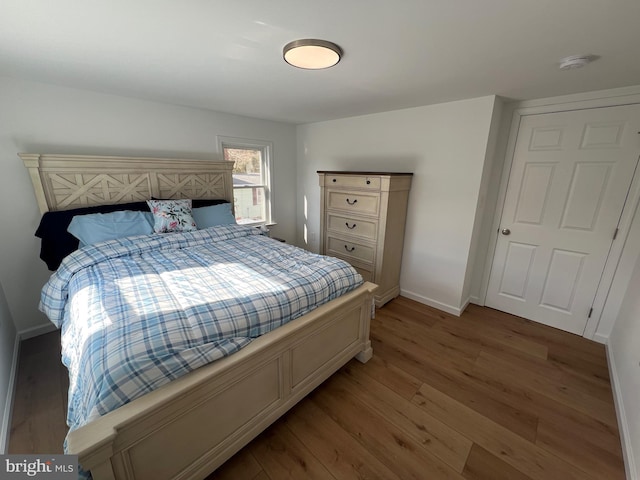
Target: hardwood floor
40 404
483 396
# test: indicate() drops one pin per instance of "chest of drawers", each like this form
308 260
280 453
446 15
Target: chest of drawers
362 221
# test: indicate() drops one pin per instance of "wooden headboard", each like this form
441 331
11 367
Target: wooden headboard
63 182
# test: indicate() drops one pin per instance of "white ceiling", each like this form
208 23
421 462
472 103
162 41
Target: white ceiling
226 55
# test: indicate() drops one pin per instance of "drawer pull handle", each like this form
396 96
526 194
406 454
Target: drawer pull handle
349 249
350 227
368 182
352 203
334 180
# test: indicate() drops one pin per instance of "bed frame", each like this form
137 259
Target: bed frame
189 427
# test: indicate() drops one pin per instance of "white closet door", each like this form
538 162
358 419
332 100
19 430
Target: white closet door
568 184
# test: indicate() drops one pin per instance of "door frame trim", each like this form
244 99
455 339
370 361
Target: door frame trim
584 101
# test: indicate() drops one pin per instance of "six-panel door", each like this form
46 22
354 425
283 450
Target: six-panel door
568 184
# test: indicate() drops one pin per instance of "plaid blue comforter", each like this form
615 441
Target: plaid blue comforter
138 312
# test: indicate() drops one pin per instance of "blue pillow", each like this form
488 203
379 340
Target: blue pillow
100 227
57 242
213 215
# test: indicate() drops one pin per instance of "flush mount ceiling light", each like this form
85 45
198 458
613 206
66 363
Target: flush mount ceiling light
311 54
576 61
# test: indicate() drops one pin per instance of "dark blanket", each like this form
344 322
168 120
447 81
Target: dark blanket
57 243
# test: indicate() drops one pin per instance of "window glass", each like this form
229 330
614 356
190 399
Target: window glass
250 182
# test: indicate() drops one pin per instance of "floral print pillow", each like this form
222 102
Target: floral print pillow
172 216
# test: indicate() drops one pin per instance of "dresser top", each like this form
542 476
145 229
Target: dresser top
351 172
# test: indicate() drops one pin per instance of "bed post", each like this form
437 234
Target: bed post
98 462
367 311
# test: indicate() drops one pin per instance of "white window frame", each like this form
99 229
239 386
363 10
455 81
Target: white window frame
266 149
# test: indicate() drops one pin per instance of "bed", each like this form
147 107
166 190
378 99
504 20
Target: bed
191 425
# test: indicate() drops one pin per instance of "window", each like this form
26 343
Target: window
251 178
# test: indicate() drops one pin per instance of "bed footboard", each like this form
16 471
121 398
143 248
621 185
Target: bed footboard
188 428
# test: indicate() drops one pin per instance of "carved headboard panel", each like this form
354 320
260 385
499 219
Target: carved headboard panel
63 182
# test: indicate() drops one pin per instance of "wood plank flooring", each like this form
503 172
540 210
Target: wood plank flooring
483 396
40 403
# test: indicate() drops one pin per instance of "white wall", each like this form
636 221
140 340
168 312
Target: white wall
445 147
623 272
7 344
489 199
40 118
485 210
624 358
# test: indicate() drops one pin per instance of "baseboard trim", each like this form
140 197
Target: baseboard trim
36 331
11 391
598 337
465 305
457 311
627 452
476 300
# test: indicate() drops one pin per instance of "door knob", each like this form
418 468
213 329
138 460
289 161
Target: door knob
506 231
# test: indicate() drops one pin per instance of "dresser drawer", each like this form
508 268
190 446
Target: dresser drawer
366 203
347 249
350 225
353 181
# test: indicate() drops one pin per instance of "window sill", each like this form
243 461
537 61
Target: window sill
259 224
